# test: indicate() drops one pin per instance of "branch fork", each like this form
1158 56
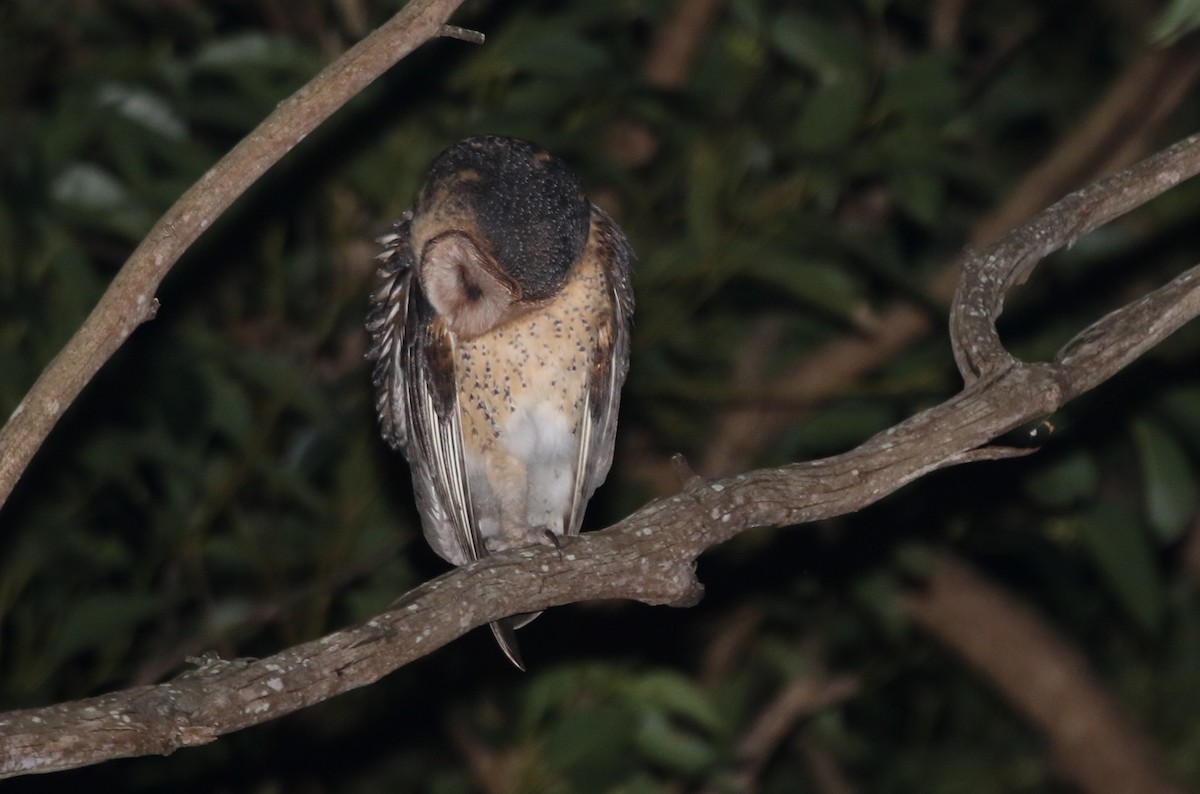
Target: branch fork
650 556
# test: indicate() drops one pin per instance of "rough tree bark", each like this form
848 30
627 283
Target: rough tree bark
1106 140
650 556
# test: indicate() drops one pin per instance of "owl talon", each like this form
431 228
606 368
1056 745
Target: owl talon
554 540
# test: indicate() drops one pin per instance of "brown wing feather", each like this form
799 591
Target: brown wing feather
610 363
417 403
386 323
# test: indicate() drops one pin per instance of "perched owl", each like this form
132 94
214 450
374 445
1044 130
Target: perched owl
500 335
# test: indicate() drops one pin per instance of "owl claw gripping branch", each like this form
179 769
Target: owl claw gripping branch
500 335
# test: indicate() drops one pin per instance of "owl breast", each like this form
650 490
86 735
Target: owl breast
522 397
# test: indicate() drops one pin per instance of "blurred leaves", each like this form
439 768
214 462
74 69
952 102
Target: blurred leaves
1170 481
1066 482
1125 557
101 200
1179 18
221 485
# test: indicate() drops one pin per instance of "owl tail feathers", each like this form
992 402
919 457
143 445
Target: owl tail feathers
505 632
506 637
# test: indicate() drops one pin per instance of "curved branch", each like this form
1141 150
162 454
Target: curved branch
1092 741
1105 140
989 274
650 556
1120 337
129 301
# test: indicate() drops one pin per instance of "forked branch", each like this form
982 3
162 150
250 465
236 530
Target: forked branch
650 556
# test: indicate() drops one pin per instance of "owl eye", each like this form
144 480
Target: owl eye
464 285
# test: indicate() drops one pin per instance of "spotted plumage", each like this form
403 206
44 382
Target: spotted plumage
500 333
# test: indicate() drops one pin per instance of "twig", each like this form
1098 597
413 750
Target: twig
676 43
827 774
990 274
728 645
129 301
944 21
489 769
1107 140
797 699
1189 552
462 34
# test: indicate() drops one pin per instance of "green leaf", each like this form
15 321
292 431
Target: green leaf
550 51
593 744
1170 481
816 45
93 621
879 594
1125 556
923 88
841 426
677 696
143 107
1181 408
553 688
674 748
1176 21
1065 482
921 193
705 173
237 52
230 410
101 199
825 286
833 114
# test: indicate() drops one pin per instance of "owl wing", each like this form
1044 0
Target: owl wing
417 400
610 363
386 323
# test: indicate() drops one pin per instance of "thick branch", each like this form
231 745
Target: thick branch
633 561
1105 140
988 275
1046 679
648 557
1120 337
129 301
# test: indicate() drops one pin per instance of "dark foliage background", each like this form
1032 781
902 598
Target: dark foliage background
221 485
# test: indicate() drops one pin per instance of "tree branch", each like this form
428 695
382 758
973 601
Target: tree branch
1137 102
129 301
650 556
797 699
989 275
1046 679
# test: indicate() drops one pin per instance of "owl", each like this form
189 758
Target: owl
500 334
